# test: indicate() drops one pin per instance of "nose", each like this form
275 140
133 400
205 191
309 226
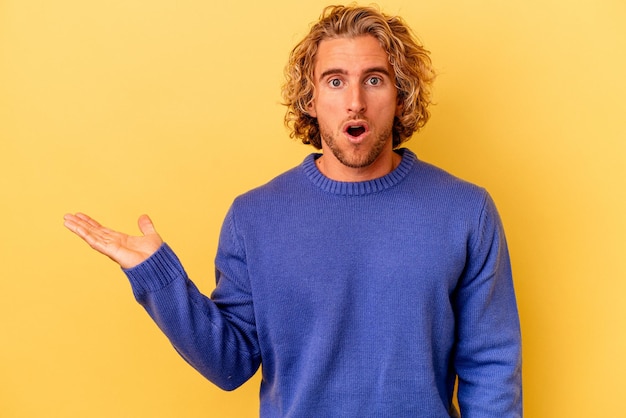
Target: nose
356 100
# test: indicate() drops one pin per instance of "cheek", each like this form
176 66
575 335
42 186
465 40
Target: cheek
323 106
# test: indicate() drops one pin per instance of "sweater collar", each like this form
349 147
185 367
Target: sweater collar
362 187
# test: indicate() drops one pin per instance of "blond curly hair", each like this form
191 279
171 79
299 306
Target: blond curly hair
409 59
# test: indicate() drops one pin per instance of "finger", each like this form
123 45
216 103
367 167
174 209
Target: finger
80 220
146 226
92 232
98 238
88 219
89 224
84 230
74 223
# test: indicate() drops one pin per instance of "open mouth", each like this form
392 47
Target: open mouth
356 131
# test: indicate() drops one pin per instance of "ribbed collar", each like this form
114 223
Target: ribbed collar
362 187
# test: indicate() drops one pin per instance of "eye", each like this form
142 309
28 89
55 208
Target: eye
374 81
335 82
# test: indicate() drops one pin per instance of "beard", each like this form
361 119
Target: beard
357 156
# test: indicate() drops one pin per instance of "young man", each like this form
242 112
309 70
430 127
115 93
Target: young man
365 281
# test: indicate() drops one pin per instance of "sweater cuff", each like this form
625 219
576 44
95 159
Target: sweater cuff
156 272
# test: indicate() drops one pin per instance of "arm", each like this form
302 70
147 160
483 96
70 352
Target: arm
488 354
217 337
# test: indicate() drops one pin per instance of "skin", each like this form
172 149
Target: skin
354 88
126 250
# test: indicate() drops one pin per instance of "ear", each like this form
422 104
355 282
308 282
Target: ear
399 107
310 109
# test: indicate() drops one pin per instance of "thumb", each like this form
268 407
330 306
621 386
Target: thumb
146 226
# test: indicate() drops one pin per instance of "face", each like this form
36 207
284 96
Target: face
355 103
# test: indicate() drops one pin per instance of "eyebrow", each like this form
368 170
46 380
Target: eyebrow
340 71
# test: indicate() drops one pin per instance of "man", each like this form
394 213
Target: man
365 281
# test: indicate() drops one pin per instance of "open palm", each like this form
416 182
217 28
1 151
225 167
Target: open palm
126 250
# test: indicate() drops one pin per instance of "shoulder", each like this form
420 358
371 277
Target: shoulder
283 187
434 184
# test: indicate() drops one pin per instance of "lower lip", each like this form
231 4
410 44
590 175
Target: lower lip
356 140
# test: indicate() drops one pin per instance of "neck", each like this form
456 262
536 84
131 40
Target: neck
332 168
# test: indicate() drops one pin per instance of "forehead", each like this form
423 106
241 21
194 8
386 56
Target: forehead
351 54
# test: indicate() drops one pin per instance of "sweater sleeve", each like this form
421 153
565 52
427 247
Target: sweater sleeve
488 355
215 335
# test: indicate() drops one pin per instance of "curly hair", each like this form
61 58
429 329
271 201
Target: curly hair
409 59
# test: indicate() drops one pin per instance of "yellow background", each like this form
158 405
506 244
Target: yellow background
117 108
